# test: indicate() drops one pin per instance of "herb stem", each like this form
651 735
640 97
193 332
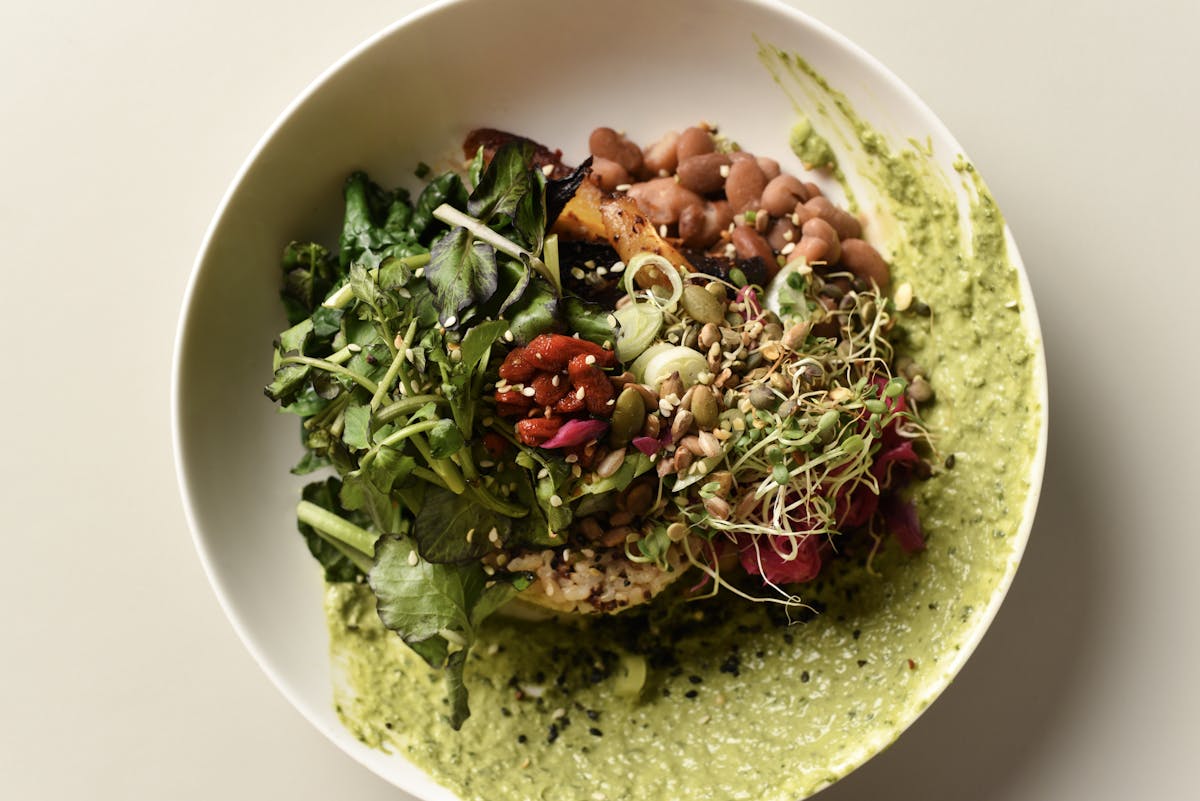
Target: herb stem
345 532
443 467
489 500
340 297
406 406
430 476
393 369
330 367
452 216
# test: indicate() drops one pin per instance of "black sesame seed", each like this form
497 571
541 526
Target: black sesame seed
690 694
804 677
695 679
593 714
553 733
595 732
521 738
862 663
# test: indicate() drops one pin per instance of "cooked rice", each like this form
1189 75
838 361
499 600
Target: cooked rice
592 581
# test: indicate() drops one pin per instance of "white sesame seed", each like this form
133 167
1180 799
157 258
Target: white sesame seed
486 464
494 535
528 392
470 534
662 230
555 501
555 380
589 359
544 473
579 393
413 558
590 264
419 272
618 267
788 248
576 470
623 187
601 271
724 170
547 169
610 402
607 345
577 273
450 321
611 319
788 235
508 336
491 571
571 458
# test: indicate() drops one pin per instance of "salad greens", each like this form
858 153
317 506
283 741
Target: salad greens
391 343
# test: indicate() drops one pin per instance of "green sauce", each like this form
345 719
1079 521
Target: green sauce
743 706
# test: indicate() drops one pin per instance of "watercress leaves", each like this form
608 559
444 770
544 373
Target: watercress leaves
436 609
461 272
454 529
337 566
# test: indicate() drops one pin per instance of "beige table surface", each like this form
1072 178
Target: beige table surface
121 124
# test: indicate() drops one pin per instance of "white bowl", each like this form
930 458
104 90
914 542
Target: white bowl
538 67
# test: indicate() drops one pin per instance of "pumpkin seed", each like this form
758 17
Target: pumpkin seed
628 417
702 305
704 406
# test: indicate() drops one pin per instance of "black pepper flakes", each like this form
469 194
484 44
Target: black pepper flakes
552 733
595 732
694 679
691 694
593 714
862 663
804 677
522 739
950 462
732 665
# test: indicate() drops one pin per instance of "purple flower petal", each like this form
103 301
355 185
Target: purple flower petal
647 445
576 432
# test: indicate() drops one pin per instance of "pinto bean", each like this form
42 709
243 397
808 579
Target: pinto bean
863 260
750 244
845 223
608 174
770 167
661 158
608 144
701 226
816 228
663 199
802 213
781 232
782 193
811 249
702 173
694 141
745 185
813 189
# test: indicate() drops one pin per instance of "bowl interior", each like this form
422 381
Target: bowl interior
406 96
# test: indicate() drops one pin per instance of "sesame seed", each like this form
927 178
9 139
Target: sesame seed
450 321
419 272
528 392
623 187
589 359
413 558
611 319
555 501
795 219
486 464
662 230
547 169
555 380
590 264
354 347
544 473
724 170
470 534
577 273
788 235
618 267
508 336
576 471
493 535
788 248
579 393
601 271
571 458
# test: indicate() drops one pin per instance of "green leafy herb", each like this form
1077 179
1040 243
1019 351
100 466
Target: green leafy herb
462 274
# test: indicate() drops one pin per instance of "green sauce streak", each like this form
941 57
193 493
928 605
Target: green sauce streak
744 706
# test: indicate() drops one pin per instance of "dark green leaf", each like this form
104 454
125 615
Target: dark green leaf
589 320
446 188
295 337
507 179
326 322
309 462
445 439
356 432
454 529
535 313
461 272
457 689
479 339
289 379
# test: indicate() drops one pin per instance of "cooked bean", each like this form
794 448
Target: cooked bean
608 144
701 226
781 232
782 193
813 189
818 228
660 159
663 200
802 213
811 249
845 223
770 167
702 173
692 142
864 261
744 186
750 244
608 174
